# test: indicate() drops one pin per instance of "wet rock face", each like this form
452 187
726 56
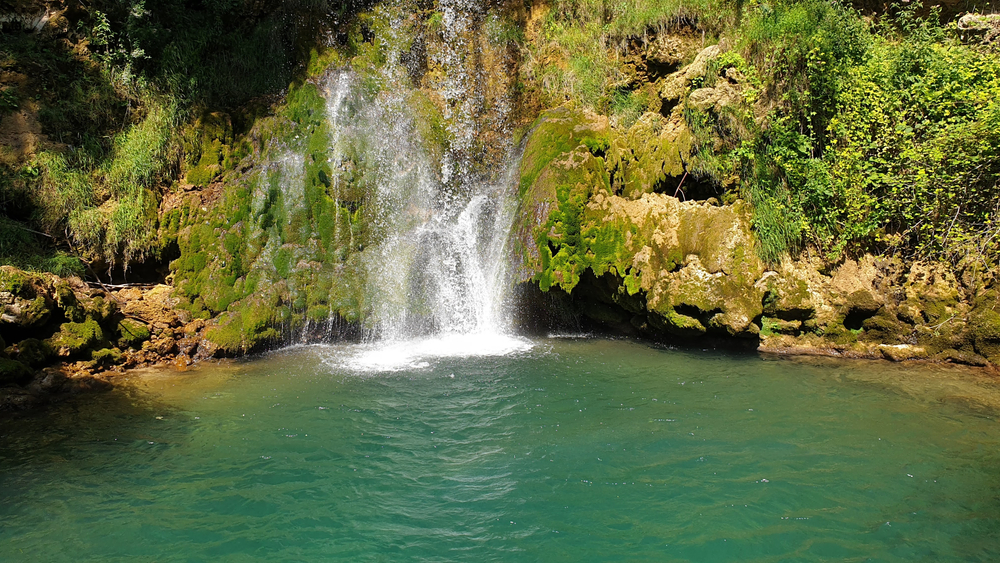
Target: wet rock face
691 265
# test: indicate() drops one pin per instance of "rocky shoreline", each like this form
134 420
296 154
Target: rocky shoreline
77 338
62 336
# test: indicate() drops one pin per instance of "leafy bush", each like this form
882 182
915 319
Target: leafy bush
876 137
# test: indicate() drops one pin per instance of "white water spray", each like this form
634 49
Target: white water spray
437 269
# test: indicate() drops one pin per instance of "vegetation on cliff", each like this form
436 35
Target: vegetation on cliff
104 111
195 140
852 134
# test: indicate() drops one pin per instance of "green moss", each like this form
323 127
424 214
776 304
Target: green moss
430 123
838 334
984 326
34 352
683 325
37 313
132 333
14 373
76 338
100 308
106 357
209 166
556 132
644 157
248 328
322 59
15 281
885 329
566 246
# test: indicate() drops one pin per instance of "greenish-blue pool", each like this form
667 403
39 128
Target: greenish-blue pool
564 450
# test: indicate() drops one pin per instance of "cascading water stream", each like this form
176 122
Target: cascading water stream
436 264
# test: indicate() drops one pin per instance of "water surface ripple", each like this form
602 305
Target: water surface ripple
570 450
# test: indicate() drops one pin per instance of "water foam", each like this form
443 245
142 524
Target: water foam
418 353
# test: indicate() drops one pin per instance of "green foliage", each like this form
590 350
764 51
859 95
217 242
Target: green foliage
246 329
106 356
25 249
582 41
856 137
113 105
918 127
628 106
222 53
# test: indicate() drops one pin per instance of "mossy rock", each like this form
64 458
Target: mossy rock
106 357
17 282
29 314
76 338
985 332
555 133
648 154
215 150
132 333
770 326
249 327
564 247
679 324
932 293
862 302
789 299
885 329
13 372
838 334
101 309
34 352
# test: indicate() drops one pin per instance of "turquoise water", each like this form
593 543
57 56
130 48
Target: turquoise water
574 450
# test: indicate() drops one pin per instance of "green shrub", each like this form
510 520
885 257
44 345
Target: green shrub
858 137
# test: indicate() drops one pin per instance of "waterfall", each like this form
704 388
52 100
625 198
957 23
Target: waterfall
436 264
438 261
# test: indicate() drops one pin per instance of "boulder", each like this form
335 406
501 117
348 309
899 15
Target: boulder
73 339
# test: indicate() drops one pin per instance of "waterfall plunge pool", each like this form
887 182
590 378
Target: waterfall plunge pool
543 450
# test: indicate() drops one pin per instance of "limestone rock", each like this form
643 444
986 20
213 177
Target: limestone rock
901 352
24 312
651 151
714 99
156 306
676 85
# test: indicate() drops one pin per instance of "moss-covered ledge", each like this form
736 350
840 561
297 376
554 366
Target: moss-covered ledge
651 264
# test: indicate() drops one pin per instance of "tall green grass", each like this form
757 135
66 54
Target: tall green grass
581 44
108 209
